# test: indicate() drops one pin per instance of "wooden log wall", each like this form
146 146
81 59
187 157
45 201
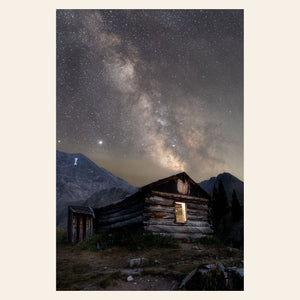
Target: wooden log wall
125 213
155 211
159 215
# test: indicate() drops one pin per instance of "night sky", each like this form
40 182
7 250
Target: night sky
150 93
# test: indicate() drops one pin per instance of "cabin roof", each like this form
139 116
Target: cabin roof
82 210
182 176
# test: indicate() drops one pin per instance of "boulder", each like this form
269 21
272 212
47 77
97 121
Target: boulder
138 262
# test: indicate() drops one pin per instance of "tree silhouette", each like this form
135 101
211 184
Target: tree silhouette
219 205
222 199
236 207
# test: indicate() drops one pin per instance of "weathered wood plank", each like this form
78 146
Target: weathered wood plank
178 229
120 205
108 215
178 196
159 215
158 212
194 212
197 218
171 210
159 208
120 224
173 223
171 216
197 206
119 218
160 201
184 235
191 206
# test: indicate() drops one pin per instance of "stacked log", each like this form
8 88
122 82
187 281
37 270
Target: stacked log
125 213
159 215
155 211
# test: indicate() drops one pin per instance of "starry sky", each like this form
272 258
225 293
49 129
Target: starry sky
150 93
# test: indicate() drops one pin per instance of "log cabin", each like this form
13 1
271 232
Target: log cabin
175 206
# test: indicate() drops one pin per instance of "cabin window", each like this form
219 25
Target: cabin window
180 212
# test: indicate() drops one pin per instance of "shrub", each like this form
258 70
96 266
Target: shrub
128 238
212 280
159 241
61 237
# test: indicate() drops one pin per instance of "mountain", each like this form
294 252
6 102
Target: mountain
79 181
230 183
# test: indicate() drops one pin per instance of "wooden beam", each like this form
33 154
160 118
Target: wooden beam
197 206
184 235
196 212
172 222
120 224
128 202
197 218
178 229
119 218
159 201
108 215
159 215
178 196
159 208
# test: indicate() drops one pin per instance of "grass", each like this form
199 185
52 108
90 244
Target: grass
210 241
128 238
109 279
61 237
80 268
212 280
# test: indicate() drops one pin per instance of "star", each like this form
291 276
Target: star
139 78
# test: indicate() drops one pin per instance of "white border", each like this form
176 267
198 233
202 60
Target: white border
271 149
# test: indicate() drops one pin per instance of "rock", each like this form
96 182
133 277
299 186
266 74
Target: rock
188 277
221 266
240 272
132 271
202 271
129 278
205 279
209 267
235 279
138 262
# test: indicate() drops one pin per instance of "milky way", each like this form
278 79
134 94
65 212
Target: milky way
150 93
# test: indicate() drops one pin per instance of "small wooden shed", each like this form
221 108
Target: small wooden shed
80 223
175 206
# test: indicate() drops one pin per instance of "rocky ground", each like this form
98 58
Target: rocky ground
114 268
